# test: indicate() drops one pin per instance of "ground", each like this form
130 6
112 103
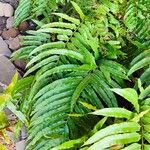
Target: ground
9 42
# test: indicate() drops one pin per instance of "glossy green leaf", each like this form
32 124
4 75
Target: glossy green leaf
130 95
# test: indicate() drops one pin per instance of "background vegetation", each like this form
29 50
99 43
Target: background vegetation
87 80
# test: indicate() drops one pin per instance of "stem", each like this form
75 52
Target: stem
142 138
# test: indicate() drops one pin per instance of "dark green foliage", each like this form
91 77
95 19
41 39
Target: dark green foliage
77 57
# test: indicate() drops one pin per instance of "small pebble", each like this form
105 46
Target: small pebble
23 26
10 33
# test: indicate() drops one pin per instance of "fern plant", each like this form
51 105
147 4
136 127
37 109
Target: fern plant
11 99
142 61
34 8
129 131
131 134
76 63
69 67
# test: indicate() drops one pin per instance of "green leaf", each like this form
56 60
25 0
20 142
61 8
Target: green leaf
124 127
60 25
130 95
140 57
12 84
4 98
146 147
71 144
79 90
139 116
114 112
99 125
3 120
147 127
47 46
3 147
79 11
56 30
147 137
61 68
144 62
19 114
145 93
64 52
116 140
68 18
134 146
140 85
88 106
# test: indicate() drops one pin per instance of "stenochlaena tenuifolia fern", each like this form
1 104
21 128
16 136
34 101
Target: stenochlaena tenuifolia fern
76 60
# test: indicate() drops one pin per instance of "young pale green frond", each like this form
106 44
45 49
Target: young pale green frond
68 18
125 127
114 112
133 146
118 139
78 9
130 95
60 25
145 93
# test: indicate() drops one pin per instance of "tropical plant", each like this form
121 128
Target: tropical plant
76 57
34 8
72 68
142 61
130 129
9 100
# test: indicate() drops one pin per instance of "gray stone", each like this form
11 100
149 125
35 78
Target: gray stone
4 50
1 9
14 3
20 64
7 71
9 22
13 43
2 23
20 145
23 133
6 9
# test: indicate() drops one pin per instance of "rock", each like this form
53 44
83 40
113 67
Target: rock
20 145
2 23
23 133
7 71
4 50
1 9
13 43
9 22
20 64
10 33
23 26
13 3
8 10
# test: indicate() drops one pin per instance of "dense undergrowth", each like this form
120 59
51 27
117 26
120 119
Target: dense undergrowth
81 56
